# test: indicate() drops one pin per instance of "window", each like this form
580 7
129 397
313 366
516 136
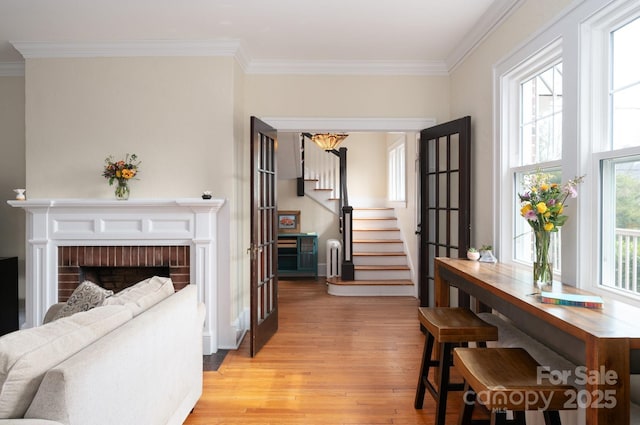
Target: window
617 156
397 171
568 102
533 117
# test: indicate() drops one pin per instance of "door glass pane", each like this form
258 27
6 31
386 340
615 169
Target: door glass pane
432 226
442 186
431 153
431 181
455 149
442 153
453 216
455 182
442 227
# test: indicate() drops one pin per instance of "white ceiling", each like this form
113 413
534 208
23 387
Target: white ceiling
423 34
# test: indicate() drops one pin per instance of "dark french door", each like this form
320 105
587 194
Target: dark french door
264 235
445 198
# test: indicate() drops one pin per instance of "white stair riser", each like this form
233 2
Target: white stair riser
375 213
382 274
372 290
321 196
391 234
382 260
375 224
378 247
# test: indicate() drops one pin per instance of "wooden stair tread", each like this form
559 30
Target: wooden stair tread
390 217
392 267
372 208
395 282
380 254
377 230
321 189
377 241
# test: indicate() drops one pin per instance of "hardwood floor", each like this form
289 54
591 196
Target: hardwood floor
334 360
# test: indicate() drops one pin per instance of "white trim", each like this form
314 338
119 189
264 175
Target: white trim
11 69
297 124
347 67
39 49
497 13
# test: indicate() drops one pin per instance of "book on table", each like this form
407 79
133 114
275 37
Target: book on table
578 300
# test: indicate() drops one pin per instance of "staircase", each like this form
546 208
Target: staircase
379 255
381 267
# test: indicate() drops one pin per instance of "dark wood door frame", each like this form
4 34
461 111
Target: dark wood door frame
445 198
264 235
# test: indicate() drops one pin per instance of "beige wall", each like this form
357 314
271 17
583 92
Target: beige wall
472 94
348 96
173 112
366 169
12 170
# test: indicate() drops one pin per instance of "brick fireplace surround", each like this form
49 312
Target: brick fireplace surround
190 236
72 258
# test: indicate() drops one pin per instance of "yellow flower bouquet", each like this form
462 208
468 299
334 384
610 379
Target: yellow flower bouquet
121 172
542 205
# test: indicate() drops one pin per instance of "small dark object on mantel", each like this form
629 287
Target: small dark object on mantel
206 194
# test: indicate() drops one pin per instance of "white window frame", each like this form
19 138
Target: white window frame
510 95
596 126
397 172
576 29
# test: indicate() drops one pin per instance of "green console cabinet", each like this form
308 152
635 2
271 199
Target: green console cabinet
298 254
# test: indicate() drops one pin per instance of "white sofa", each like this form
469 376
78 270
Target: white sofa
148 370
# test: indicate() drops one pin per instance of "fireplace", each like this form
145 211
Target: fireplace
68 239
117 267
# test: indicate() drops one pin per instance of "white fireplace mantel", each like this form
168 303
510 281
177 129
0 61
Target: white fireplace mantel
203 225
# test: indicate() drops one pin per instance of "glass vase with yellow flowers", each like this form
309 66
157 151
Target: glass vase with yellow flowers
542 205
120 173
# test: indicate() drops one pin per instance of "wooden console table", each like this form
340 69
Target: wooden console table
603 340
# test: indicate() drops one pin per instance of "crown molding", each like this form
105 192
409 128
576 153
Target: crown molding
11 69
36 49
309 124
497 13
336 67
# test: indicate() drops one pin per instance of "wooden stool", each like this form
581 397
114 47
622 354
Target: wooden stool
507 379
447 326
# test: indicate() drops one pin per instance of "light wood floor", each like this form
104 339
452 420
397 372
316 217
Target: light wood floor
334 360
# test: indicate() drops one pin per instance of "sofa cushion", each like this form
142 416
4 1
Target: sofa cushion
143 295
85 297
26 355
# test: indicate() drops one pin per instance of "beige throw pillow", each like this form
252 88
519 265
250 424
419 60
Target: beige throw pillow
143 295
85 297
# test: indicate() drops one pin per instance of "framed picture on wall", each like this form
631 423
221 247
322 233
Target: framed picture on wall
288 221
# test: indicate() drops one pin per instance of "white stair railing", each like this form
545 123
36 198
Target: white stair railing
323 167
